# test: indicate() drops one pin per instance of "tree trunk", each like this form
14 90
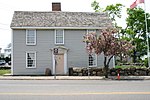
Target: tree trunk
134 56
105 67
106 71
120 57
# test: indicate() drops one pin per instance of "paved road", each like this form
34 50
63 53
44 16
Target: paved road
74 90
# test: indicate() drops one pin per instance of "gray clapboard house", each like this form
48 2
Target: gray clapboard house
36 34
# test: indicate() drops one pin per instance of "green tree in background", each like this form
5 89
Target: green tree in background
114 11
136 32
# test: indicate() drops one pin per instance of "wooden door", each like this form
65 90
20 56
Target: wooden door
60 64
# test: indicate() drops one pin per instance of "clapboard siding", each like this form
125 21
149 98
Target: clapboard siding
45 40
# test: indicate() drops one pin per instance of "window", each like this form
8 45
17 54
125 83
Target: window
92 60
59 36
91 30
31 60
31 37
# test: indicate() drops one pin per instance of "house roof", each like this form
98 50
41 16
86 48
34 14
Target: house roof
60 19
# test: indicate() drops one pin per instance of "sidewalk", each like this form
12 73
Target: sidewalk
73 78
51 78
130 77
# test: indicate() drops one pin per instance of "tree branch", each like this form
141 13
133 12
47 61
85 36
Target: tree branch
105 60
109 60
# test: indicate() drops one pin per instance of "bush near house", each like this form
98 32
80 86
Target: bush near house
125 67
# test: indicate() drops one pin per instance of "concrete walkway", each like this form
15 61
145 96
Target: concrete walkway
51 78
73 78
130 77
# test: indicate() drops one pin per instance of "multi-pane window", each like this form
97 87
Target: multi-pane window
93 56
59 36
31 60
31 37
91 31
92 60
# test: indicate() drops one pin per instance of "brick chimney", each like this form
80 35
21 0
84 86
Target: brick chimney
56 6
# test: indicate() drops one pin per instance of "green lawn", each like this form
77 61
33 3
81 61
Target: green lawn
123 67
5 71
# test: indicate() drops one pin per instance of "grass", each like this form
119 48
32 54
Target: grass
123 67
4 71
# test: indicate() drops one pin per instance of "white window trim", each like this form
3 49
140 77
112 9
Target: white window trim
65 62
94 30
95 61
55 37
27 59
26 37
88 30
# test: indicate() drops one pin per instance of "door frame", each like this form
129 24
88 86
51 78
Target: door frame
65 60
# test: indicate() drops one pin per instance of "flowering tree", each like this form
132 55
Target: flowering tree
106 43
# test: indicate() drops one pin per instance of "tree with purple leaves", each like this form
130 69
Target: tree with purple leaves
108 44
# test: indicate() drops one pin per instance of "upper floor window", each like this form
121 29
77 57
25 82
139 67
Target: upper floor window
31 37
59 36
91 30
92 60
30 59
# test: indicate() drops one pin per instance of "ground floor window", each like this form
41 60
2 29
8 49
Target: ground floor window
31 59
92 60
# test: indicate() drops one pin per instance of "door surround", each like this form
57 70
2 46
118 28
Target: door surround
61 50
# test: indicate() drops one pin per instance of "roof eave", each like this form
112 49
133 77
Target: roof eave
59 27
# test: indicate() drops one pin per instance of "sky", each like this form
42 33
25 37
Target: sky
7 8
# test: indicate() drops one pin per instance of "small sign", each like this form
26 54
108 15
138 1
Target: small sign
55 51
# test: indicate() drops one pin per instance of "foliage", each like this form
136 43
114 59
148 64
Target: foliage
136 32
106 43
7 59
2 57
146 62
96 6
128 67
114 11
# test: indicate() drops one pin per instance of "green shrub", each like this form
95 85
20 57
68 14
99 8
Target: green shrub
146 62
124 67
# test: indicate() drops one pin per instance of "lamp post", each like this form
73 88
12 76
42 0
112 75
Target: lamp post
55 53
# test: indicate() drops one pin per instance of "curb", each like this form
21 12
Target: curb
130 77
51 78
73 78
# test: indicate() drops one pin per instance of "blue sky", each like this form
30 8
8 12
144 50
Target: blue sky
7 7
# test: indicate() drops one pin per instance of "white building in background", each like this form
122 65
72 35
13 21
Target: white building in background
7 50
